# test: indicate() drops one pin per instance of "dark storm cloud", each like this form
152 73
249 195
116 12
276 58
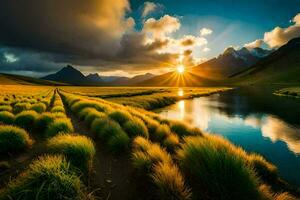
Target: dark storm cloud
80 32
26 61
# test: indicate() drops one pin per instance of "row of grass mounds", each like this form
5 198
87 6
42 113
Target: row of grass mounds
48 123
13 139
49 177
116 124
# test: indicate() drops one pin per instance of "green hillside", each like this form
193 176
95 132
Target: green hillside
9 79
280 67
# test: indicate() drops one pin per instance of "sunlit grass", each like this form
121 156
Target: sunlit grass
79 150
217 170
6 108
38 107
7 117
48 177
13 139
26 119
59 125
170 182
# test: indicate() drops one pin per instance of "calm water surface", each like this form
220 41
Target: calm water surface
252 118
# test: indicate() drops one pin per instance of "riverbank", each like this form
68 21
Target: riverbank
167 97
293 92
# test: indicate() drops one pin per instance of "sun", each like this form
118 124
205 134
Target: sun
180 69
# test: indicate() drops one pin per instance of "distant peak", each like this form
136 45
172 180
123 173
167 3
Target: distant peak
69 67
93 74
229 50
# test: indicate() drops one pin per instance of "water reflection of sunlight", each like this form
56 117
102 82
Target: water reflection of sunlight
276 129
181 106
180 92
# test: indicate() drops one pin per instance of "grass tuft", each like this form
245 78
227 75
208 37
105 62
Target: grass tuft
6 108
263 168
136 127
7 117
58 109
26 119
60 125
79 150
120 116
48 177
92 115
170 182
162 132
183 129
13 139
19 107
38 107
217 170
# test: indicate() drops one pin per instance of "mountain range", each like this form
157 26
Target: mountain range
73 76
233 67
230 61
280 67
213 71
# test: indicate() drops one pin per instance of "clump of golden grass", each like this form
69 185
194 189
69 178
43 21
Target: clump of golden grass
26 119
217 170
6 108
48 177
38 107
151 158
13 139
7 117
170 182
78 149
135 127
59 125
263 168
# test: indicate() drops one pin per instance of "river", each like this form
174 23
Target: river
252 118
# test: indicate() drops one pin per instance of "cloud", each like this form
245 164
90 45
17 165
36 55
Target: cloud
276 129
206 49
41 36
149 7
161 27
190 40
62 26
280 36
254 44
205 31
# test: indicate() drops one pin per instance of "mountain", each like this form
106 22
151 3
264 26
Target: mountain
110 79
95 77
70 75
73 76
230 62
120 80
280 67
213 71
10 79
133 80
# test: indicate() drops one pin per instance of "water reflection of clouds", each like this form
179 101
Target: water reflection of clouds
253 121
276 129
201 111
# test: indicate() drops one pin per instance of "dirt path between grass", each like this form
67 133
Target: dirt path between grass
113 177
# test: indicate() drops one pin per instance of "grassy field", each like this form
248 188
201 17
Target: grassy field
148 98
289 92
78 143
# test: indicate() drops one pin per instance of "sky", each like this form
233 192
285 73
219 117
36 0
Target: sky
130 37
